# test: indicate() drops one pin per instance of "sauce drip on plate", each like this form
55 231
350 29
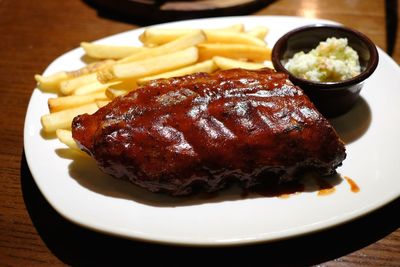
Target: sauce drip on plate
353 186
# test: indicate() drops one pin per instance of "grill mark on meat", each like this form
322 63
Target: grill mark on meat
173 137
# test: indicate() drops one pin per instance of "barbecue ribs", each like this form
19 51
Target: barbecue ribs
206 130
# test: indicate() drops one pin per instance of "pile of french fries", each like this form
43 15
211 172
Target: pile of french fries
165 53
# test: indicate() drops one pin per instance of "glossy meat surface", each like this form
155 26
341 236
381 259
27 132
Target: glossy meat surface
205 130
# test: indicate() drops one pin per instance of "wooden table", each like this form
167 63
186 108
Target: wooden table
33 33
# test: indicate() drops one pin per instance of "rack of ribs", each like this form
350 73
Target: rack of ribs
203 131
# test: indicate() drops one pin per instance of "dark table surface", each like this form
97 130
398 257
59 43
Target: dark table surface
33 33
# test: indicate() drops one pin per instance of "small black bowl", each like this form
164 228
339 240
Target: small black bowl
331 98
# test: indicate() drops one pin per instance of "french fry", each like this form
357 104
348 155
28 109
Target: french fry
93 88
66 102
91 68
51 82
228 63
205 66
65 137
68 86
151 66
260 32
101 102
156 36
160 36
239 27
232 38
101 51
116 92
179 44
121 88
127 84
63 119
236 51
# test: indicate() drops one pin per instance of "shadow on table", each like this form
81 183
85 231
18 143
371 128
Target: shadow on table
75 245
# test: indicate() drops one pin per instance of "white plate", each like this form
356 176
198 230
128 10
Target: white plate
82 194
